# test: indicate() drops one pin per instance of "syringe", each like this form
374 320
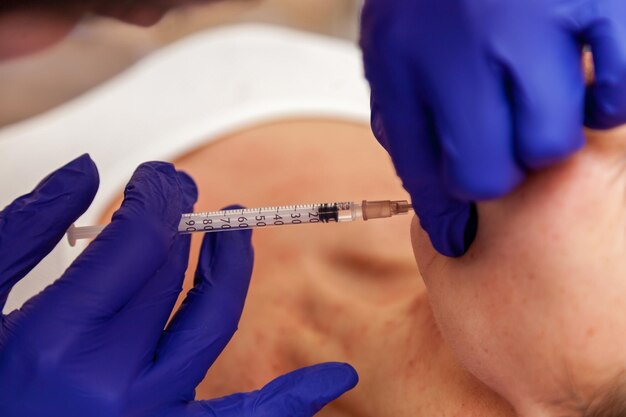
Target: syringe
254 218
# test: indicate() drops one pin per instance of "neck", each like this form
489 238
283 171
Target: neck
406 367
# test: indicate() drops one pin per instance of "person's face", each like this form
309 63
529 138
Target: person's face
537 307
28 26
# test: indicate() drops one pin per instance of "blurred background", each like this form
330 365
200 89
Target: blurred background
100 48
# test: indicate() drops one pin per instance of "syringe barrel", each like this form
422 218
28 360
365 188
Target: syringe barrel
238 219
241 219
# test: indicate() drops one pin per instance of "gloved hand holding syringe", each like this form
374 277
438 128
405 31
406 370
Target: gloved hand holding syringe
253 218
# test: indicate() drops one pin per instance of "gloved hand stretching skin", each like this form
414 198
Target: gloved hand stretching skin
93 343
470 95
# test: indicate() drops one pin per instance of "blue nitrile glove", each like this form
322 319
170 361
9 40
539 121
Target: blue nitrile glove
93 343
468 96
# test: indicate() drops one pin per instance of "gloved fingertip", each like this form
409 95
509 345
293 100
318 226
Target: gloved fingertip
343 375
86 177
301 393
453 242
309 388
605 101
603 111
64 194
189 189
79 176
452 228
153 194
324 381
233 207
33 224
81 165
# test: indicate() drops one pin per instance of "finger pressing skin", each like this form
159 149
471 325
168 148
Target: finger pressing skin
606 96
404 125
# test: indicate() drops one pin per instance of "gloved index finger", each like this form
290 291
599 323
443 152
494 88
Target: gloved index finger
402 125
125 255
33 224
301 393
210 313
143 319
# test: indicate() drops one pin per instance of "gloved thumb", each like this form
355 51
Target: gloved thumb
301 393
32 225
